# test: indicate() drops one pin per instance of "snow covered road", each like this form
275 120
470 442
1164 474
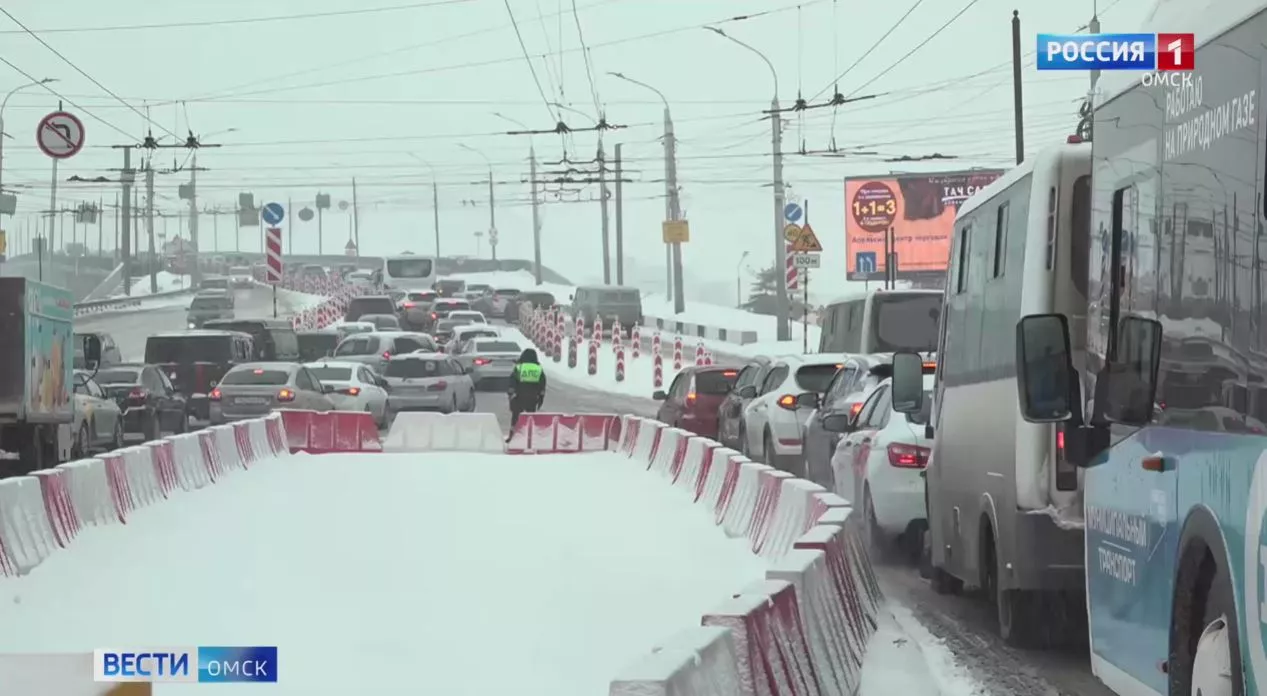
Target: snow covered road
451 574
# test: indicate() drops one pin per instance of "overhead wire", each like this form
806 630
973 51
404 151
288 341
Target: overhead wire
68 100
81 71
589 68
915 49
836 81
531 68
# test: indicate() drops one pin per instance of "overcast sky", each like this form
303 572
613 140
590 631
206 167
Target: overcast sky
389 91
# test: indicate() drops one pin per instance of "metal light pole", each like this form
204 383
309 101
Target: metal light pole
739 281
435 201
536 202
780 245
673 252
492 201
5 103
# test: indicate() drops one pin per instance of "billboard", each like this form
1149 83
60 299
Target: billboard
919 208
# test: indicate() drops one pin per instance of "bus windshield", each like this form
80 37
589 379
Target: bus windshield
906 322
409 268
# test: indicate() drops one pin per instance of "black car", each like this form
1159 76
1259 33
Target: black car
369 304
151 406
194 361
315 345
275 339
538 300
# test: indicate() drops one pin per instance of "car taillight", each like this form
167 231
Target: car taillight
438 386
908 456
214 395
690 397
138 394
787 401
350 391
482 361
285 395
387 354
407 305
853 410
434 316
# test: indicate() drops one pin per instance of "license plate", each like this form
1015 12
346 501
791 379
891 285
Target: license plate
250 400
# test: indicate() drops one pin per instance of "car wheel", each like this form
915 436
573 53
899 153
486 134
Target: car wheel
83 442
153 427
118 434
767 450
742 445
453 407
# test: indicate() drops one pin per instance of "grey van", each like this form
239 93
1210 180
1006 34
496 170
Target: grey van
607 302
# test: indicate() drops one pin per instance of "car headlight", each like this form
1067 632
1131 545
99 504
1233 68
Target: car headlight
192 326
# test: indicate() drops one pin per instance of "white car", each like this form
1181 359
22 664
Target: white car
356 387
98 420
773 421
468 315
462 334
880 462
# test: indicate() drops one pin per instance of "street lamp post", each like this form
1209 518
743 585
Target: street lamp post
435 201
782 309
536 203
4 135
672 253
739 281
492 201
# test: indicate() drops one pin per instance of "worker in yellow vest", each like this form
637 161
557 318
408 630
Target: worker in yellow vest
527 387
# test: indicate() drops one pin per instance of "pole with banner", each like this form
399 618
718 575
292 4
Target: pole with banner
803 243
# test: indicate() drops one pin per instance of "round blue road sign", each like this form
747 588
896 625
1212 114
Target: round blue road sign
793 212
273 213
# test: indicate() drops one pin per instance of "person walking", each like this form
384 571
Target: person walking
527 387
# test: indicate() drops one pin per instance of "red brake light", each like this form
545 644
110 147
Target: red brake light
138 394
908 456
407 305
285 395
214 395
855 409
438 386
481 361
434 316
729 373
258 372
387 354
1073 139
690 397
1060 442
930 366
787 401
350 391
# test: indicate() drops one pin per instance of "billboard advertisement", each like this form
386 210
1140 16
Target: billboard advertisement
920 210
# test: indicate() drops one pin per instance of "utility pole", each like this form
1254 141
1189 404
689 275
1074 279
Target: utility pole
1018 105
196 275
128 177
101 228
290 228
435 213
536 216
782 307
675 210
149 223
620 224
492 215
356 221
602 201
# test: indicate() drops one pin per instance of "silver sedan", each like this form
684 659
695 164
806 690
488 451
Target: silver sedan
489 362
251 390
428 382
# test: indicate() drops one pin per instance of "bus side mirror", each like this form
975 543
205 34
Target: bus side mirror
1044 375
908 382
1126 389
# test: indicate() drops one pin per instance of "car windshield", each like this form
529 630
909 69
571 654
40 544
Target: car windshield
240 271
907 322
371 305
315 345
448 325
188 349
815 378
507 292
117 376
496 347
383 321
256 376
452 306
427 296
414 368
210 303
468 316
716 382
215 284
331 374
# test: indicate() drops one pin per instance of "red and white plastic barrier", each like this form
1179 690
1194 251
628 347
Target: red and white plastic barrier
331 432
558 433
677 354
48 509
431 432
804 630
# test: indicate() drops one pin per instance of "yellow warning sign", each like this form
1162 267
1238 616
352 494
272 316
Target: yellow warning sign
676 231
804 242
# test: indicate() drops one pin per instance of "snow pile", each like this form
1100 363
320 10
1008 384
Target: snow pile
166 282
519 280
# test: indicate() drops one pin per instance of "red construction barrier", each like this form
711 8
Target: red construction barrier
120 487
164 454
63 520
242 438
330 432
557 433
767 622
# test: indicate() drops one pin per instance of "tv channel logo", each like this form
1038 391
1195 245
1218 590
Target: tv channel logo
1163 52
204 664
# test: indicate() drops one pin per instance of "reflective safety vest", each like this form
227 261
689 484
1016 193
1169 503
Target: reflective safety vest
529 373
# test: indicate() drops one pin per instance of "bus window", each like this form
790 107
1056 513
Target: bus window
1079 245
906 322
409 268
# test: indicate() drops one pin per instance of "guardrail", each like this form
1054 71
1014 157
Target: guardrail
117 304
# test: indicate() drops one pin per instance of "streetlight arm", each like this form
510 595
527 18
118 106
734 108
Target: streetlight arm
19 88
760 55
487 161
642 84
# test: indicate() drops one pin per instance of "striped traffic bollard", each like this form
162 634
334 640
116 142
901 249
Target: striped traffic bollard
708 358
699 353
617 346
593 358
677 354
655 343
620 364
572 350
557 346
579 333
657 370
598 329
636 341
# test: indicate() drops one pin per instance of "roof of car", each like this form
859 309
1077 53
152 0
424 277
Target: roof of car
209 333
420 355
317 332
373 297
335 363
389 334
270 365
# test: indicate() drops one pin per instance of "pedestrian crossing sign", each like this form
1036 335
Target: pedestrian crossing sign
806 241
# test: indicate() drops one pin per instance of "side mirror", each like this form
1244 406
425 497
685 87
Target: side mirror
660 395
1044 376
1126 389
807 400
327 389
748 392
92 350
908 382
838 423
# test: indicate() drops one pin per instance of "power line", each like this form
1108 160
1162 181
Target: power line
557 118
79 70
834 83
250 20
95 117
917 47
589 68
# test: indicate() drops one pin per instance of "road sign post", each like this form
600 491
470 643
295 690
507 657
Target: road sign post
273 254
